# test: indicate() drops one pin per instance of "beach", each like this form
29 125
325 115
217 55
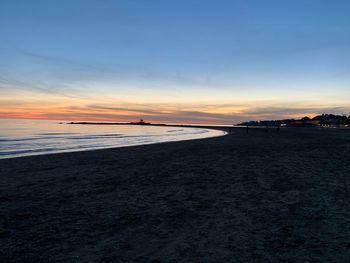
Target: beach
256 197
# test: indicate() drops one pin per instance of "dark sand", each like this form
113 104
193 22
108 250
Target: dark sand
238 198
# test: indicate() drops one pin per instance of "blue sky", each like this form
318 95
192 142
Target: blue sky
199 61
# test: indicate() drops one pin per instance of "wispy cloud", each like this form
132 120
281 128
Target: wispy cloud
170 113
10 84
62 72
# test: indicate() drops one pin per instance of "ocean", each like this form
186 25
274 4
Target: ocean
34 137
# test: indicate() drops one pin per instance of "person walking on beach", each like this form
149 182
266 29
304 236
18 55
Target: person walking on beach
247 129
278 129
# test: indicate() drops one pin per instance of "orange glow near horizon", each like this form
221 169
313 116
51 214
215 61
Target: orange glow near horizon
79 110
186 109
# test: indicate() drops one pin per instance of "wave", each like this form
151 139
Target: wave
174 130
56 133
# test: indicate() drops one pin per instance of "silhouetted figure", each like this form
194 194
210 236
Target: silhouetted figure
229 130
278 129
247 129
266 129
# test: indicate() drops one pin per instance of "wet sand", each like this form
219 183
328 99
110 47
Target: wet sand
253 197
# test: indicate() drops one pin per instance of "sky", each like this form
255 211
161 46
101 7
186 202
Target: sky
183 61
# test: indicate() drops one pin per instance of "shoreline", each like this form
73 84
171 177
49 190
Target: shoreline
254 197
224 130
112 148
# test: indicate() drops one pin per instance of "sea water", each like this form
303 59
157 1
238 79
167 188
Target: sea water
34 137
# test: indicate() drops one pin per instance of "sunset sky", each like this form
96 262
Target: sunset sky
183 61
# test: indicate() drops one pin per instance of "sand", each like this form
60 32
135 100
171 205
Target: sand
253 197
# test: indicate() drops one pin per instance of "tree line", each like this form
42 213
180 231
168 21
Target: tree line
323 120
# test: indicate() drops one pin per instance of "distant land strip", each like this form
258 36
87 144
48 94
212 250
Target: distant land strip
226 128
